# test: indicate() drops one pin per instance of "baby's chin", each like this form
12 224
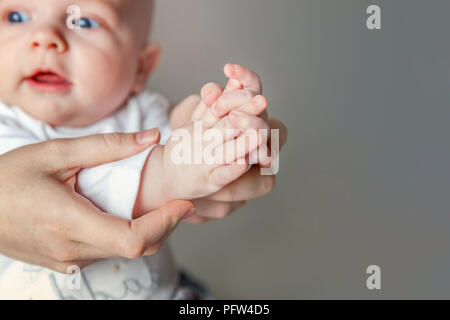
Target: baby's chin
57 115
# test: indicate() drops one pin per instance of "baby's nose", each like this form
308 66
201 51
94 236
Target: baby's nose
48 38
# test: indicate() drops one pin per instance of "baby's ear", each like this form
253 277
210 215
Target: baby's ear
148 61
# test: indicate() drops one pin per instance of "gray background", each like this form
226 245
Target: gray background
365 176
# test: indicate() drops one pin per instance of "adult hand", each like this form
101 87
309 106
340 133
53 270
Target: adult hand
44 221
235 195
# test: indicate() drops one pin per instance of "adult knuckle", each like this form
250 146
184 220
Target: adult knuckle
133 248
169 221
112 140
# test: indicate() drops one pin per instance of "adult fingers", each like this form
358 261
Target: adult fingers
278 125
198 220
124 238
158 224
250 186
81 251
208 209
266 153
53 264
96 150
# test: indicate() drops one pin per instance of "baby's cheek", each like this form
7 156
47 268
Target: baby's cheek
9 85
104 83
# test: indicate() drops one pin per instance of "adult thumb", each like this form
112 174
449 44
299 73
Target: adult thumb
159 224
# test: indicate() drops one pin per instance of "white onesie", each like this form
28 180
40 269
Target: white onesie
111 187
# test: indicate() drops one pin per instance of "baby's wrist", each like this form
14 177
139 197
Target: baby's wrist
153 192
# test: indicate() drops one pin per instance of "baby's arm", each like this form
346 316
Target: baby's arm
235 136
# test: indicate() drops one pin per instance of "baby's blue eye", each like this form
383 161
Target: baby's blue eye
18 17
87 23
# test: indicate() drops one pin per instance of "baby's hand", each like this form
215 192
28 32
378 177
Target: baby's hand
203 157
216 102
243 93
214 149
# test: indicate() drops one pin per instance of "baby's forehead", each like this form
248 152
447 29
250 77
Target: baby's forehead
115 2
127 3
139 12
134 9
139 7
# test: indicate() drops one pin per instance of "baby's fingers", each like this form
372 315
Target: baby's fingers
245 121
255 107
249 79
240 100
254 135
209 95
260 156
226 174
230 100
233 84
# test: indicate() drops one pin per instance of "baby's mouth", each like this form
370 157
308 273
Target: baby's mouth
48 81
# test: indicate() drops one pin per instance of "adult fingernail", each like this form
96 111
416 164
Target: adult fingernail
147 137
190 213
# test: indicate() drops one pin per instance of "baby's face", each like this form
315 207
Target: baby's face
73 76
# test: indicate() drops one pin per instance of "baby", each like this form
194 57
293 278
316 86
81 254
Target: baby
72 68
